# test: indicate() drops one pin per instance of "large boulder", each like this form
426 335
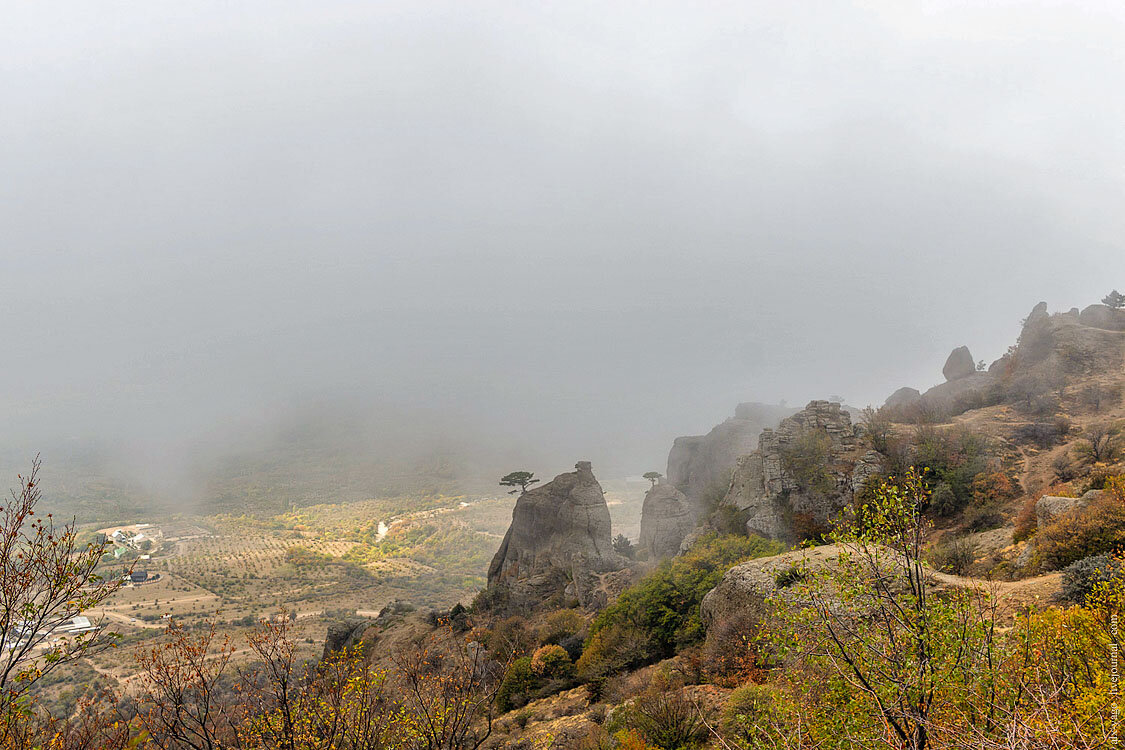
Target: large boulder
700 464
746 589
1050 507
960 364
665 520
1051 349
558 542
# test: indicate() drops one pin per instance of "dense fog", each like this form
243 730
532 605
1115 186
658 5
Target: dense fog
528 233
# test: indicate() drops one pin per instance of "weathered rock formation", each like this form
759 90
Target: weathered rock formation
802 474
700 464
1050 507
1104 317
960 364
665 520
558 542
746 589
344 634
971 390
904 396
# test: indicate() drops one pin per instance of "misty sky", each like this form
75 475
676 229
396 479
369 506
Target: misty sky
573 229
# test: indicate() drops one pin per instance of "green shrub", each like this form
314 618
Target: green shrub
728 519
623 546
956 557
945 500
510 636
660 613
984 517
561 625
953 458
664 717
1043 434
491 599
515 689
805 459
789 576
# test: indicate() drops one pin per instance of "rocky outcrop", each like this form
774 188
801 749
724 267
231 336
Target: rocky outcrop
960 364
1104 317
1051 347
904 396
781 501
344 634
665 521
1050 507
970 390
749 590
558 542
699 464
746 589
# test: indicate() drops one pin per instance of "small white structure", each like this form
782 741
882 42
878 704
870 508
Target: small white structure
75 626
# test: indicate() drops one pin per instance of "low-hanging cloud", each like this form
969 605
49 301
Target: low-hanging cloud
552 231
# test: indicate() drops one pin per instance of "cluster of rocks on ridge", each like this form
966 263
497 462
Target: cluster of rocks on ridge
772 498
557 544
1048 344
345 634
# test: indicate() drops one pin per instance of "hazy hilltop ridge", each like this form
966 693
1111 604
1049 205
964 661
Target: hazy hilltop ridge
1052 350
701 464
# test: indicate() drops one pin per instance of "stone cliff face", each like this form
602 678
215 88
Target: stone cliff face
558 542
781 504
665 520
701 463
